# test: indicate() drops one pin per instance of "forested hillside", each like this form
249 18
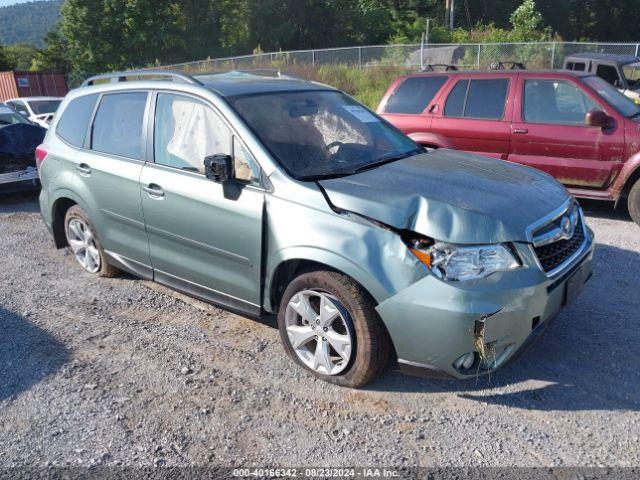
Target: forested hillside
28 22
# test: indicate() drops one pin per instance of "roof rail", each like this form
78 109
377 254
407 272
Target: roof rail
442 67
260 72
507 66
116 77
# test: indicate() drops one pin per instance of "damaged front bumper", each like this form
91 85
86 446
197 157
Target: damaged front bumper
466 329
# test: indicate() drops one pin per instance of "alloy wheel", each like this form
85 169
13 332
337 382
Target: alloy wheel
83 245
318 329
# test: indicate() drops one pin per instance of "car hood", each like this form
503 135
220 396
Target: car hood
451 196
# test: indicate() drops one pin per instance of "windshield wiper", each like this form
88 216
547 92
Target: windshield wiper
345 172
388 159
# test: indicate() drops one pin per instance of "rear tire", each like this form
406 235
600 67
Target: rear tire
355 323
84 243
634 202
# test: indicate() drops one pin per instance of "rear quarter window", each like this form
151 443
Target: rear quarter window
414 94
74 121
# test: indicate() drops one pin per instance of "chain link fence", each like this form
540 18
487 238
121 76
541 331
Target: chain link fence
540 55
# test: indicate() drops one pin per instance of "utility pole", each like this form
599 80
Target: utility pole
428 30
449 14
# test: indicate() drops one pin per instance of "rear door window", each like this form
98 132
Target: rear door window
414 94
74 121
117 128
480 99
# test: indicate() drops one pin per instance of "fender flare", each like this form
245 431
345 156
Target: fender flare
325 257
66 193
629 173
430 138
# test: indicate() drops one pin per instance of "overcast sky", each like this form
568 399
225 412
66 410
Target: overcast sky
4 3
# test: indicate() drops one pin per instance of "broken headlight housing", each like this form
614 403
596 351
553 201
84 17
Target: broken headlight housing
461 263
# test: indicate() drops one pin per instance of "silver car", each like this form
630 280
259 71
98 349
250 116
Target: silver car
276 195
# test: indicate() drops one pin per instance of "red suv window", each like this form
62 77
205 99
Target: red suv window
484 99
414 94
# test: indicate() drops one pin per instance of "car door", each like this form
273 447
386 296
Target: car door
549 132
204 237
108 171
611 74
406 106
476 115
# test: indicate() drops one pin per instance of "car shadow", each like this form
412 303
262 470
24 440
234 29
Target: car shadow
586 360
28 354
600 209
24 202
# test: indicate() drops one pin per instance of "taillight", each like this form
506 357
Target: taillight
41 154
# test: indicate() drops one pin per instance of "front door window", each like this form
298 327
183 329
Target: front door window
555 102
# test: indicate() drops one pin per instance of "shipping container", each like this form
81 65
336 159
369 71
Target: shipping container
32 84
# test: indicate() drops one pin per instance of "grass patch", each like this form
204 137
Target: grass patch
367 85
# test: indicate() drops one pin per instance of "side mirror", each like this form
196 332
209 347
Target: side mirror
219 168
598 118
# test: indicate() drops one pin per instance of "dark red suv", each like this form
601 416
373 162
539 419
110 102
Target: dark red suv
576 127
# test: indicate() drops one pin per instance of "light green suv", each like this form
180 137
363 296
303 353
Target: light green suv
276 195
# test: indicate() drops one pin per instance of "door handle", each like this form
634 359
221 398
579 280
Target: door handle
84 169
154 191
521 131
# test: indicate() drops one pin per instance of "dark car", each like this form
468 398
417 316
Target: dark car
18 141
574 126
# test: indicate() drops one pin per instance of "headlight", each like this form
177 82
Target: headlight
460 263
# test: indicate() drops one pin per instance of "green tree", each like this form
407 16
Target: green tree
4 61
54 57
295 24
102 35
20 56
527 21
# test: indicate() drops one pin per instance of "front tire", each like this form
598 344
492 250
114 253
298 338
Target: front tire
328 326
634 202
84 243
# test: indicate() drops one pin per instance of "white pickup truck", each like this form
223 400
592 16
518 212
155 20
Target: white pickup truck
40 110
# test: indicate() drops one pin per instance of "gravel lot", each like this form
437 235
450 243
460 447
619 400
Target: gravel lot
124 372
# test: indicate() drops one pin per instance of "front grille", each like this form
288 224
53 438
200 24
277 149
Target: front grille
552 255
